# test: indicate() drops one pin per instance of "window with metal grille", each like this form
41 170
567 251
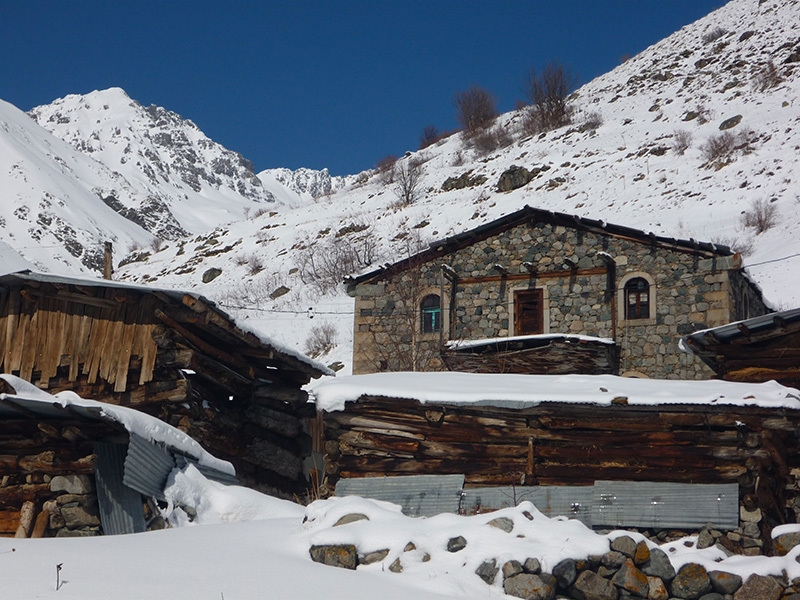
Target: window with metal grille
431 314
528 312
637 299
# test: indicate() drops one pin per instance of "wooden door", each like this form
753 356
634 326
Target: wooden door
528 312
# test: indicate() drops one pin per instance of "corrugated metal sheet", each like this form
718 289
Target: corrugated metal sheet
121 508
665 505
147 467
553 501
419 495
208 472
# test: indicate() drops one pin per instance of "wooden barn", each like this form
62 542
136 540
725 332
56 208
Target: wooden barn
754 350
571 430
170 354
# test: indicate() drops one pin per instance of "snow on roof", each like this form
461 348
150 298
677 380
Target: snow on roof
177 295
524 391
148 427
463 344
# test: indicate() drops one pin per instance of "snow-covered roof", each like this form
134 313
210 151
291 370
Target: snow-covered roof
176 295
523 391
150 428
464 344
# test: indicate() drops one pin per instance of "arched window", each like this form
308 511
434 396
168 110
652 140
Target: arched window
637 298
431 314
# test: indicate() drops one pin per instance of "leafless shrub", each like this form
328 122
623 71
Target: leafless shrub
385 169
720 149
475 109
681 140
324 263
321 340
766 77
490 139
259 212
742 246
762 216
240 260
548 92
713 35
592 121
408 180
254 264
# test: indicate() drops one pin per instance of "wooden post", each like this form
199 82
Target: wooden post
108 267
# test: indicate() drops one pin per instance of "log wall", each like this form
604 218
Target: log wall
555 444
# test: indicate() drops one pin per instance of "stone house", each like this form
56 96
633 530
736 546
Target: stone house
537 272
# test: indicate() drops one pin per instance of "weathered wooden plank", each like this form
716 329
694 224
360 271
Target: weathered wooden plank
124 349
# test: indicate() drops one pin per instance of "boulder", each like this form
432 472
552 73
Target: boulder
396 566
373 557
511 568
72 484
691 582
642 553
351 518
530 587
512 178
659 566
488 571
624 544
211 274
565 573
343 556
503 523
532 566
455 544
724 583
759 587
80 516
787 541
613 559
658 591
590 586
632 579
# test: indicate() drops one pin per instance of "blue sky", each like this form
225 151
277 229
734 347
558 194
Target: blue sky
312 83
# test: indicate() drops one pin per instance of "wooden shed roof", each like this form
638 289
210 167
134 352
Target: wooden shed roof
528 214
757 349
190 314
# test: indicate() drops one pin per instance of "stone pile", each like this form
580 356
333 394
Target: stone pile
629 569
73 512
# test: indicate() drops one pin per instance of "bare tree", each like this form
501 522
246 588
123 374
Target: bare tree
475 109
547 92
428 137
408 180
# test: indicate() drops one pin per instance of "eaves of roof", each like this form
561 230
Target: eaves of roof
528 214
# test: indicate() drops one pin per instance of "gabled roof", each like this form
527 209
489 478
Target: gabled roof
258 345
528 214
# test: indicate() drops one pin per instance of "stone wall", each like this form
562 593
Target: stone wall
581 274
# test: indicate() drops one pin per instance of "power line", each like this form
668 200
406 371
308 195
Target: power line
766 262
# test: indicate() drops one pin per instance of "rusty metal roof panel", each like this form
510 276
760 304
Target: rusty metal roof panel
418 495
665 505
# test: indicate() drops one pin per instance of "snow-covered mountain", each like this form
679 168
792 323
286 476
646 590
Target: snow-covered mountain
688 139
179 181
300 185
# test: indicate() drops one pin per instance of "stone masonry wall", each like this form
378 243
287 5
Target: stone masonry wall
570 266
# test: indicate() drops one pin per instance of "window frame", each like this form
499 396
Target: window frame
622 302
435 313
519 304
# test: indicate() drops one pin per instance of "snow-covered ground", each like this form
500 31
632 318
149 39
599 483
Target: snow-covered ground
247 546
